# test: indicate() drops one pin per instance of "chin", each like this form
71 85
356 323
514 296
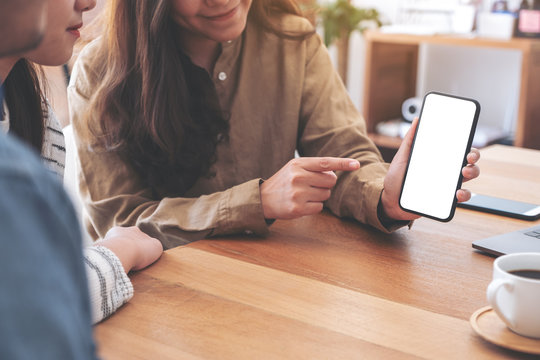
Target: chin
47 55
228 35
222 39
55 61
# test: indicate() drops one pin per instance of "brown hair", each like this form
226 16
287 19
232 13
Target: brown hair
162 118
24 100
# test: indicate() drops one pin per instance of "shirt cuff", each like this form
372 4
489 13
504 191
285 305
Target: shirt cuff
388 223
109 286
242 211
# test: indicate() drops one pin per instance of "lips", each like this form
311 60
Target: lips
74 30
223 16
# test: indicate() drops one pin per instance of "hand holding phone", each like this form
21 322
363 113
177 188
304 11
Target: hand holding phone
441 143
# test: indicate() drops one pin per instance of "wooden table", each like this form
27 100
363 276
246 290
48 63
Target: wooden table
391 72
324 288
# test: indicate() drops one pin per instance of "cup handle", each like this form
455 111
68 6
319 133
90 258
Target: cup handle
492 291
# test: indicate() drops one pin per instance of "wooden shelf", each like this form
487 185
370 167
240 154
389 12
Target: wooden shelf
391 73
454 40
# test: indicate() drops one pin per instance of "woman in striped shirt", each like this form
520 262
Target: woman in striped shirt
27 114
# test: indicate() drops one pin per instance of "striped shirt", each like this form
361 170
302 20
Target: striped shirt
108 284
53 151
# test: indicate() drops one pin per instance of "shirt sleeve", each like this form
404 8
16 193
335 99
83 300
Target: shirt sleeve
108 284
332 126
114 194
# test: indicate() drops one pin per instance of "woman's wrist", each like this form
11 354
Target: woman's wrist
386 209
123 250
388 221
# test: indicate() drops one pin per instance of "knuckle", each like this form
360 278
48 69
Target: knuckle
317 208
297 178
327 194
294 162
329 180
296 195
332 179
324 163
295 210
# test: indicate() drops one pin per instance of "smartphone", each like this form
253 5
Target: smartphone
505 207
441 143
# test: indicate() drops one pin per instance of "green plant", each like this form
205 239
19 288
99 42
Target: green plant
341 18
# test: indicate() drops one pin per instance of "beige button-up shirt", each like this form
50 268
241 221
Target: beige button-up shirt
282 95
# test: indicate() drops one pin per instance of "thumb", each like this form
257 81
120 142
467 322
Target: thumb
409 137
405 148
402 155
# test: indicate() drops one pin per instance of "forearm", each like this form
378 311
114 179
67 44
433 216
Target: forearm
177 221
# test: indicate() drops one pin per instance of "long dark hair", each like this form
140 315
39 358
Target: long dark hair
162 119
24 100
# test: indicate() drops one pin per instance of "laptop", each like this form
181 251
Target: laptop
525 240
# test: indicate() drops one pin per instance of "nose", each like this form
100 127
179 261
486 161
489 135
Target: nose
216 3
85 5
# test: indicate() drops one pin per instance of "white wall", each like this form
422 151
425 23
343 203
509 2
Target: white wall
491 76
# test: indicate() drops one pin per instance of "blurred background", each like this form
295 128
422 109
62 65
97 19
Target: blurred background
490 57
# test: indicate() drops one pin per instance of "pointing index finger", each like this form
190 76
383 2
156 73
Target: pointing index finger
320 164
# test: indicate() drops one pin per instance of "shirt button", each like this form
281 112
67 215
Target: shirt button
222 76
248 232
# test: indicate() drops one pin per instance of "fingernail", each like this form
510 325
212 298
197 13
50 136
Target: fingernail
354 164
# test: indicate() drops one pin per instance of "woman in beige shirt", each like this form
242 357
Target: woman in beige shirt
182 108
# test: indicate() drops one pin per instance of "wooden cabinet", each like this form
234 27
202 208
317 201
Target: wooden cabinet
391 73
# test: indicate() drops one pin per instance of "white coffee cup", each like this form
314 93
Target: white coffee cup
516 299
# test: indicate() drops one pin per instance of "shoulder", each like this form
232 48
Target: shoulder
16 158
85 78
285 24
290 23
33 189
22 166
89 52
35 195
295 34
86 72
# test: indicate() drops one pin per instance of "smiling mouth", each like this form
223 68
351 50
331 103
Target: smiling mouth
223 16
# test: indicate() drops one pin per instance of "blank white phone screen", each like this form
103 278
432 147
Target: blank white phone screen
437 157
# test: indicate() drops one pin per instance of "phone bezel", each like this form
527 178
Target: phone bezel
464 162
